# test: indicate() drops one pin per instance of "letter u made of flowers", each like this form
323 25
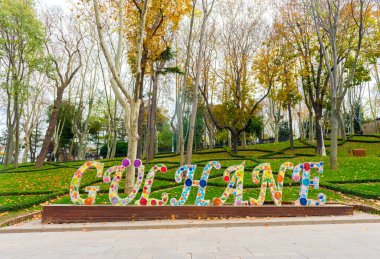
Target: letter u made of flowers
113 194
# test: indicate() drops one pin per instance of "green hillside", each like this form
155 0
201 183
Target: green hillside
25 188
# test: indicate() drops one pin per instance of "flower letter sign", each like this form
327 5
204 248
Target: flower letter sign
233 176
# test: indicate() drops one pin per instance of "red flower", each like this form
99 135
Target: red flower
143 201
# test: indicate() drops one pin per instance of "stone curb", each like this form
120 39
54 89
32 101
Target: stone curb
365 208
19 219
68 228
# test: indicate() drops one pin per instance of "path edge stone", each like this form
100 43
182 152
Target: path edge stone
295 222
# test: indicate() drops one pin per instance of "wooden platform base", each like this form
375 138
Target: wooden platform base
106 213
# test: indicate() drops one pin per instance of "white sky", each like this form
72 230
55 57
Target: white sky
63 3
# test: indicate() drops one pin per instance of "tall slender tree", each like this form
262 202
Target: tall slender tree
207 9
21 41
343 22
63 48
130 102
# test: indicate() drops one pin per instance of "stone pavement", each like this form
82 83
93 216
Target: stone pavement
315 241
36 226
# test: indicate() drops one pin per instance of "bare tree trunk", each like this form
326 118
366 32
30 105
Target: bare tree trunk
132 143
318 131
113 145
276 117
34 147
235 141
342 127
152 121
147 134
28 127
183 89
114 133
17 128
50 130
319 136
334 139
300 124
10 135
31 149
211 139
57 136
311 127
83 136
209 127
175 135
109 140
244 140
141 114
25 153
10 148
290 127
199 61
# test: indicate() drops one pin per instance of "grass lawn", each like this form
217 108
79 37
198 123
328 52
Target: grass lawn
372 149
253 153
45 181
26 186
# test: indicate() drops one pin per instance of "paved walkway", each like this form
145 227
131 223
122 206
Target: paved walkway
36 226
316 241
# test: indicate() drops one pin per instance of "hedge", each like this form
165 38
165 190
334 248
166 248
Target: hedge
351 192
36 201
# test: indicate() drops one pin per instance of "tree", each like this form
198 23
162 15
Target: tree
284 131
34 103
207 9
256 128
94 129
158 69
343 22
315 78
89 78
287 95
240 40
63 48
21 37
354 98
182 92
267 67
209 79
64 137
121 149
130 103
162 20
